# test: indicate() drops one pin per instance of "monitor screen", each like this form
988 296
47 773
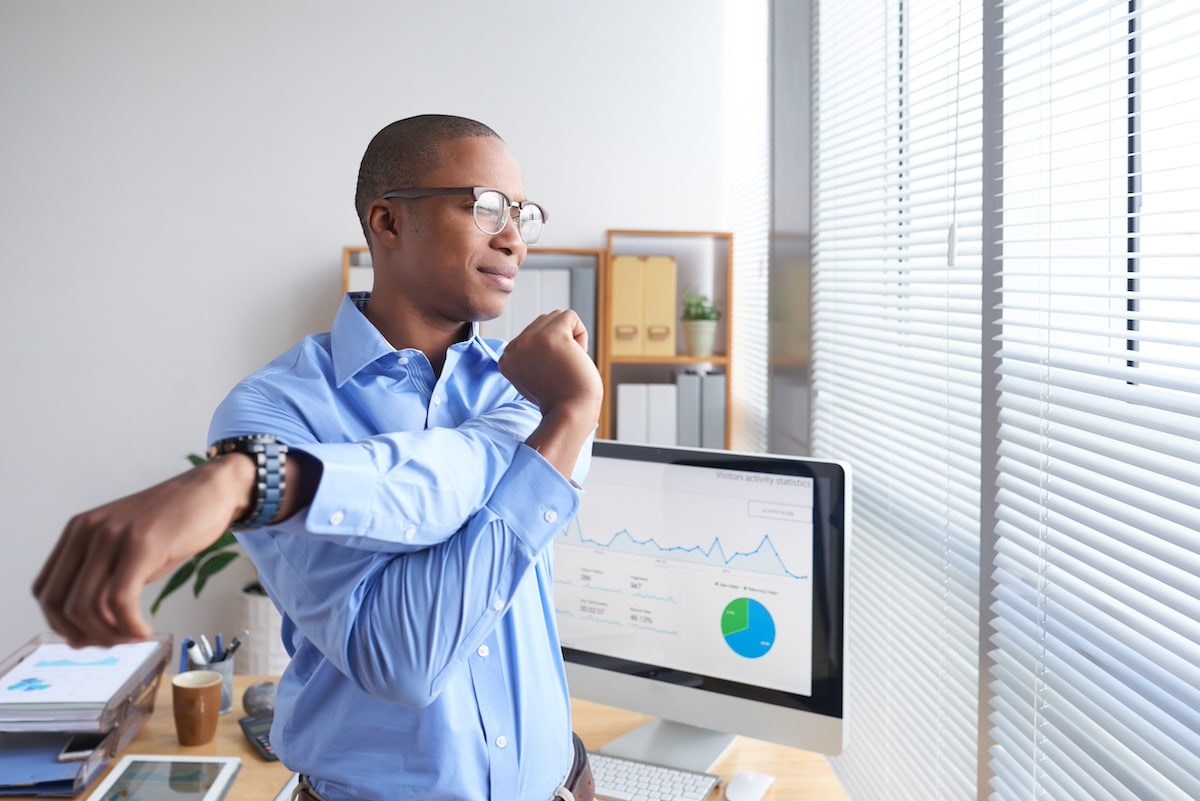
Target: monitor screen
706 588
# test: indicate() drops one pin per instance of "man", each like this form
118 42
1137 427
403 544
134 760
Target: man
398 502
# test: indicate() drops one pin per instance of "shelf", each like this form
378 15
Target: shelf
702 262
715 360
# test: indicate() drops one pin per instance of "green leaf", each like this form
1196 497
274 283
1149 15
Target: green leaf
196 459
177 580
226 540
211 566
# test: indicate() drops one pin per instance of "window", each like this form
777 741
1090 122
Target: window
1022 409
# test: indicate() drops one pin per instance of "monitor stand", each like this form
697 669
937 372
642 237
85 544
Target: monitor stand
676 745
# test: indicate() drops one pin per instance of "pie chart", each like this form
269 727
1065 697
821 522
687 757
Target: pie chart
748 628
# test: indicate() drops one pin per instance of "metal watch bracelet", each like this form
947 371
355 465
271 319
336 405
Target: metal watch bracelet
270 460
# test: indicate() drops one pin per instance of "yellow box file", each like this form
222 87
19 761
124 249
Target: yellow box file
658 306
626 334
643 306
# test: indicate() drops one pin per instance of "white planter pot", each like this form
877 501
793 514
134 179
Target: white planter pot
262 653
700 336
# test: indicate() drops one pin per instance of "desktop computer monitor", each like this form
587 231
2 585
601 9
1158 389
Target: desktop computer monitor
707 588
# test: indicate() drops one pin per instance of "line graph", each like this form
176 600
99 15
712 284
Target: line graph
762 558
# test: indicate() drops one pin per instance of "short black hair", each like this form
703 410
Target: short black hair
400 154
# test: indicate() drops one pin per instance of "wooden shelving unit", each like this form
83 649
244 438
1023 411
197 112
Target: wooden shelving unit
704 263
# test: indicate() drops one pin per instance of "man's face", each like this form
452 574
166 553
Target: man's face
449 271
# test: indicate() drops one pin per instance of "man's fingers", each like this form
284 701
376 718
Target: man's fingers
53 584
85 604
122 597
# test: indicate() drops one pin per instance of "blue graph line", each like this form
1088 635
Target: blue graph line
108 661
670 599
713 552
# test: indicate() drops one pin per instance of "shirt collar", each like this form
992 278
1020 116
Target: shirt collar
355 342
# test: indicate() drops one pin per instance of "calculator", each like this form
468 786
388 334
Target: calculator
258 732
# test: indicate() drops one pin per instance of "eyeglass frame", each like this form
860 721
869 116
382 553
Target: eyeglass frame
474 191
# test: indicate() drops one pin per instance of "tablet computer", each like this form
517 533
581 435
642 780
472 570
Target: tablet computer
151 777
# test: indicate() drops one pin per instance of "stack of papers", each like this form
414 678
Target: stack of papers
59 688
49 691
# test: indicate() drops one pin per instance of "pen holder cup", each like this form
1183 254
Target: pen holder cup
225 668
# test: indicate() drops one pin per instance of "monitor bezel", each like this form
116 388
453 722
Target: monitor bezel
813 722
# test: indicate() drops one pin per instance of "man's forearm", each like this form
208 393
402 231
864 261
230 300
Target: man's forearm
563 433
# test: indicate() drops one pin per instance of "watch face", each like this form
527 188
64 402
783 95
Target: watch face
249 444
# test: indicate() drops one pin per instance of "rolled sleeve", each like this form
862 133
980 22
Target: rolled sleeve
532 483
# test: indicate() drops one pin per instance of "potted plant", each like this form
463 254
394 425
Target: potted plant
204 565
699 322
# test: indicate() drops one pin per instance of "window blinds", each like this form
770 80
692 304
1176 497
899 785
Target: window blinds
1087 651
746 95
1094 627
896 170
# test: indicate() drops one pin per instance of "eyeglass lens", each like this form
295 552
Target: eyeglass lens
492 210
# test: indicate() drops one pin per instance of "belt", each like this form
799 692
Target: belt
578 785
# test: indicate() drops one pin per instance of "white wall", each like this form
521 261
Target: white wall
176 184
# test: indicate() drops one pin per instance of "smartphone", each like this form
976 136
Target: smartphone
81 746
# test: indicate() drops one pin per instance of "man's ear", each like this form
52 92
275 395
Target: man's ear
383 223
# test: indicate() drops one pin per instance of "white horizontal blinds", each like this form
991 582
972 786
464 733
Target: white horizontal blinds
748 206
1095 621
896 376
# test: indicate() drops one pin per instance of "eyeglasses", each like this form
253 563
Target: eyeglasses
492 209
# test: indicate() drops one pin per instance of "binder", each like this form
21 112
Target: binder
632 421
687 415
583 301
712 411
661 408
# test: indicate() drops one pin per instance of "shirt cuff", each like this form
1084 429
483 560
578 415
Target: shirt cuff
534 499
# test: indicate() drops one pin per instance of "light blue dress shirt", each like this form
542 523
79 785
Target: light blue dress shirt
416 590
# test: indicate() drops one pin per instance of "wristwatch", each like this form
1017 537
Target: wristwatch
270 457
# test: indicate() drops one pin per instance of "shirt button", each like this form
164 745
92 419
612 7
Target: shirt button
336 518
501 741
550 515
437 400
403 360
410 532
483 651
498 605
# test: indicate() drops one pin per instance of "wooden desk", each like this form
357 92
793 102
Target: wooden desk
800 775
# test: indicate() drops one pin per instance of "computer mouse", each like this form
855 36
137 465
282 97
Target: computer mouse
748 786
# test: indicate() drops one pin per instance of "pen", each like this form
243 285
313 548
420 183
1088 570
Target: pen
219 652
236 643
196 654
183 653
208 651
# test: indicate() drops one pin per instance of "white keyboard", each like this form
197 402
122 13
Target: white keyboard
620 779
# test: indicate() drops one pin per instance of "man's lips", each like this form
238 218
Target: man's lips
502 276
